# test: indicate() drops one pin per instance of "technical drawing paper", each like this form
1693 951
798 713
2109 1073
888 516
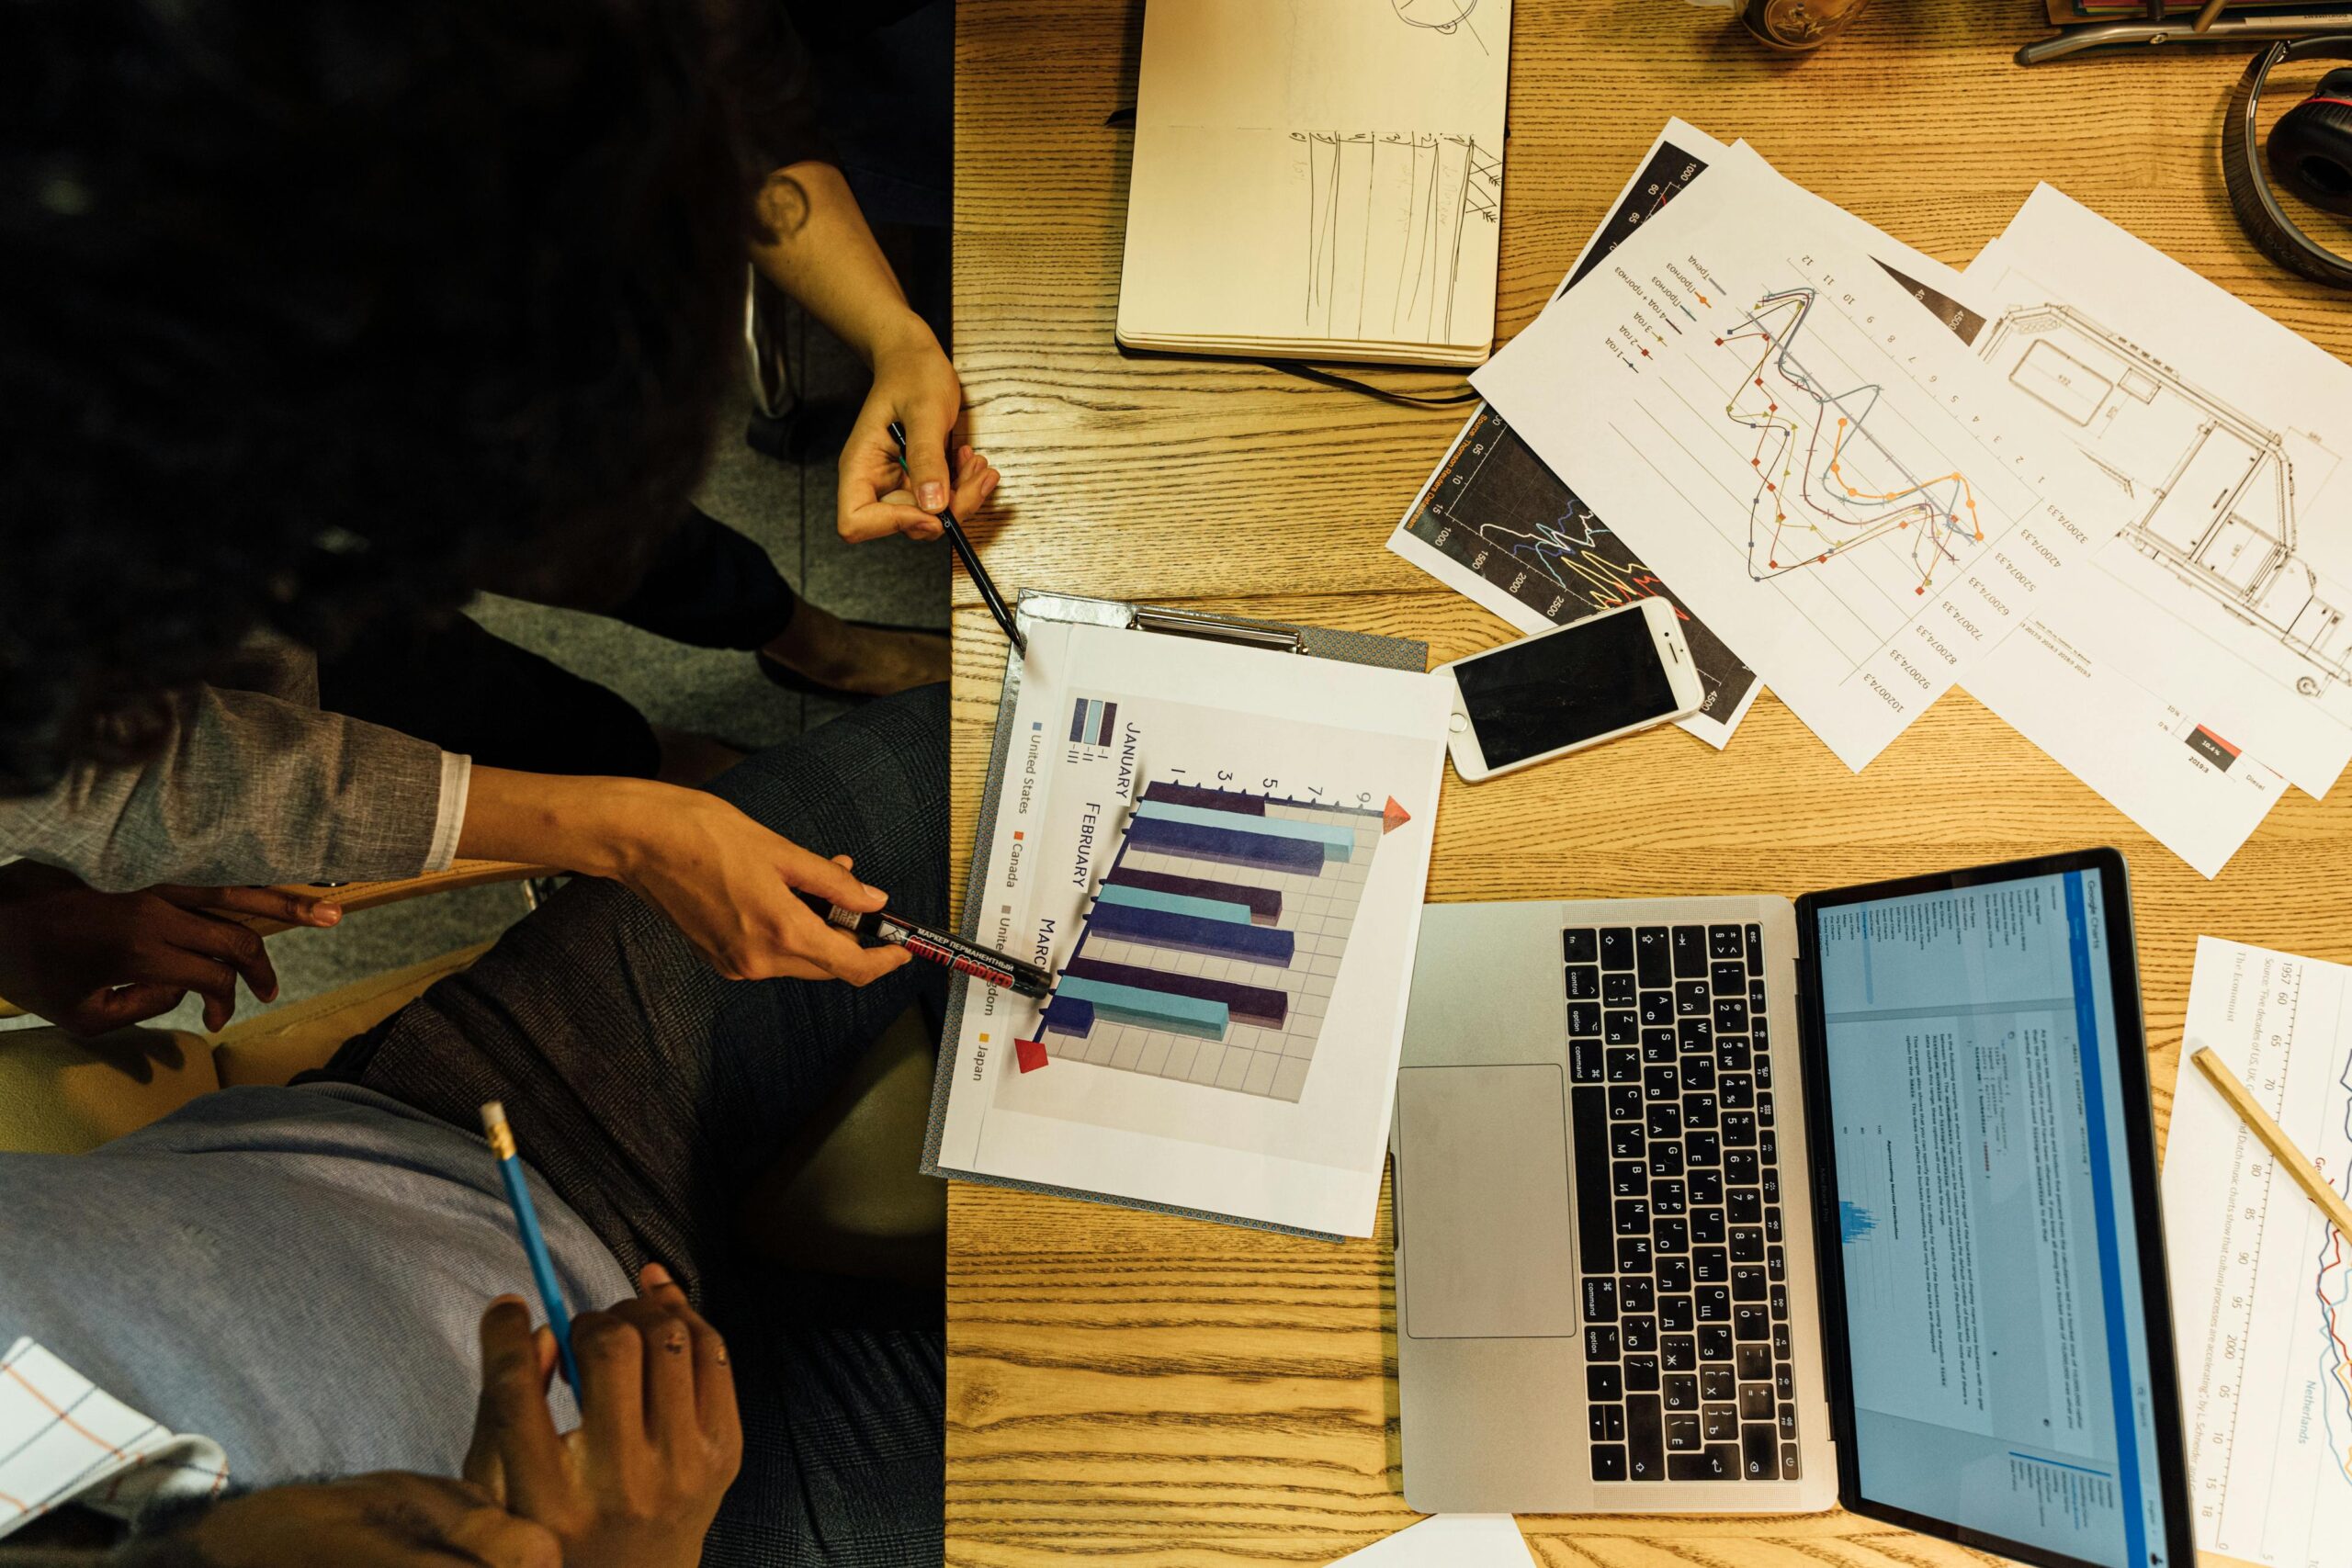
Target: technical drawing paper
1448 1541
1827 477
2219 437
1317 173
2261 1283
1222 851
1497 526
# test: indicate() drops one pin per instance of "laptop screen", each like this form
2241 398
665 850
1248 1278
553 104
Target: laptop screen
1998 1340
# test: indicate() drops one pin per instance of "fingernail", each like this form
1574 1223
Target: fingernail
871 892
934 495
654 1275
328 914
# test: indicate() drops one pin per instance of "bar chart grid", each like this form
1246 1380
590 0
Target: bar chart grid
1211 949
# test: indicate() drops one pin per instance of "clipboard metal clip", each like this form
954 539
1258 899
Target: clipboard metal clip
1218 628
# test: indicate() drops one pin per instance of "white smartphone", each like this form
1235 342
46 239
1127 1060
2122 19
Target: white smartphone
1589 681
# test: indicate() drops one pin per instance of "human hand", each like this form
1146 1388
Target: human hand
637 1484
93 962
389 1519
915 385
729 885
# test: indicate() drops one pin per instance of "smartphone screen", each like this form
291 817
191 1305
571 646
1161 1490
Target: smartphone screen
1558 689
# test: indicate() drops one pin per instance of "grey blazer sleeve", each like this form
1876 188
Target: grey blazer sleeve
250 789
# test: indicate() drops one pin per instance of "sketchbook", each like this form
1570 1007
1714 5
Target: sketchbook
1219 841
1317 179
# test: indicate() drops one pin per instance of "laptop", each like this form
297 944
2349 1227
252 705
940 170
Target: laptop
1734 1205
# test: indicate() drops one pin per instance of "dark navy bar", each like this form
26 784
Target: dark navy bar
1068 1015
1209 799
1228 846
1265 903
1250 1004
1078 719
1187 933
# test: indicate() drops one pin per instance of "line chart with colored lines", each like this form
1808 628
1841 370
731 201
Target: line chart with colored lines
2261 1283
1824 482
1831 480
1494 510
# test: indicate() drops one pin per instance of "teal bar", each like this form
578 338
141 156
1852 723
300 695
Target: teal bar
1338 844
1152 1010
1176 903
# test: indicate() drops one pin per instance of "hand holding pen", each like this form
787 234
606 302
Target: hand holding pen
963 551
887 488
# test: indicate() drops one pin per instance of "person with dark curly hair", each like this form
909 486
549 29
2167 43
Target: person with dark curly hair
319 321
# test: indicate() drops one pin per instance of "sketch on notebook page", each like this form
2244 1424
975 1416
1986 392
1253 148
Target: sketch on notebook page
2213 490
1386 215
1440 15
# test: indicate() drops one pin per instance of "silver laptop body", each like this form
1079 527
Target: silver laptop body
1494 1320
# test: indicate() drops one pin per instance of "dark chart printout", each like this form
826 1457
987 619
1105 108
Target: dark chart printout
1496 509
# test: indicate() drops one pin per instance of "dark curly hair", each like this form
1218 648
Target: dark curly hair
311 313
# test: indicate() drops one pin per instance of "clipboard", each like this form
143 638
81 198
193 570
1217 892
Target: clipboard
1279 637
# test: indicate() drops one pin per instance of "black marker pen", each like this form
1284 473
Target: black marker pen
982 964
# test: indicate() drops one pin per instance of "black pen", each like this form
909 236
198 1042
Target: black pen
964 549
982 964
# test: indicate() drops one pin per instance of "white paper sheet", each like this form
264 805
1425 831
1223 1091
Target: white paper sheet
2261 1283
1827 476
1448 1541
2221 439
1324 172
1270 1099
2156 763
1515 540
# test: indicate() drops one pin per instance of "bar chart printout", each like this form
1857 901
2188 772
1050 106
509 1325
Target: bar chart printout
1215 939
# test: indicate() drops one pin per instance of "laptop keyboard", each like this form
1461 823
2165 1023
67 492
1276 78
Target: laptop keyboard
1679 1230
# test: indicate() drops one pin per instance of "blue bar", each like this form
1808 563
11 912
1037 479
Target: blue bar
1226 846
1068 1016
1175 903
1254 944
1265 905
1152 1010
2134 1503
1250 1004
1339 842
1078 719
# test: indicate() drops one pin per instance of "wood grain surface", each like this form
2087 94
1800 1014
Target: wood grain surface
1130 1388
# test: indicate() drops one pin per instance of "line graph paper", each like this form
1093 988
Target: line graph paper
2262 1284
1810 452
1831 480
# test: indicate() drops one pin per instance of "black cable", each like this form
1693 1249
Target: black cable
1305 371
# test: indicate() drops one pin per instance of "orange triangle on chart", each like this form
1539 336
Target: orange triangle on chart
1393 818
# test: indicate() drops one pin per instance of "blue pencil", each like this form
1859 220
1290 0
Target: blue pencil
527 1220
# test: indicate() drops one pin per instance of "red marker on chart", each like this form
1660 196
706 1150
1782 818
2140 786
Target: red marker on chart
982 964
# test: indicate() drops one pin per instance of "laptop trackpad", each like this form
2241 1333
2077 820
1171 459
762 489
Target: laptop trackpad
1483 1202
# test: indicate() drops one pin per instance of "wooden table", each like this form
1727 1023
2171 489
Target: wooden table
1125 1388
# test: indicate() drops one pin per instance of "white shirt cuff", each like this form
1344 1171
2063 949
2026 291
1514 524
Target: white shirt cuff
449 821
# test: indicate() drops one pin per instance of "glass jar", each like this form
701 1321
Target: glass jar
1795 26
